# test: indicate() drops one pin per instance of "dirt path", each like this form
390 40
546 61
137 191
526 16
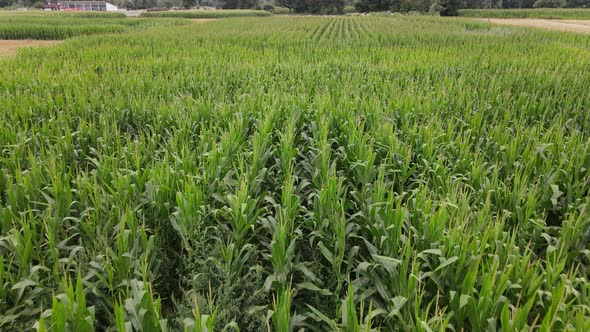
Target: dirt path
8 47
581 26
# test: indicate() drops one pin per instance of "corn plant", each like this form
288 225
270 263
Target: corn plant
383 172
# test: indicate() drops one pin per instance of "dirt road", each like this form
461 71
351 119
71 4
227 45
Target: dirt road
8 47
581 26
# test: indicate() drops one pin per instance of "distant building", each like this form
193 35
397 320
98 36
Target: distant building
97 6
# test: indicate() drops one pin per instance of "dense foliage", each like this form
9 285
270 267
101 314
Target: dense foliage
313 6
450 7
549 4
61 25
401 173
528 13
373 5
508 4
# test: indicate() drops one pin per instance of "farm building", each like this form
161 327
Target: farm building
99 6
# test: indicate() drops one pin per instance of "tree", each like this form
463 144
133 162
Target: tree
404 6
313 6
364 6
326 7
238 4
293 5
549 4
578 3
446 7
228 4
249 4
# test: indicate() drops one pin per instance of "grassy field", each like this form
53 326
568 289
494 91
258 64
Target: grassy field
207 13
548 13
346 173
61 25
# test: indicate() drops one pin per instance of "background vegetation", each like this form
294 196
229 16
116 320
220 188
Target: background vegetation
402 173
528 13
450 7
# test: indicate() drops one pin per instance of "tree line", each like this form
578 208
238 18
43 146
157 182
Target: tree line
450 7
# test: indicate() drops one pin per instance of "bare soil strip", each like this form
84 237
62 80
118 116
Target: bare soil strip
581 26
9 47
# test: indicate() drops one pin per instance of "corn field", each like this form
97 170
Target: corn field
375 173
62 25
61 14
196 14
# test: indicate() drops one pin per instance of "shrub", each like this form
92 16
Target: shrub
281 11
